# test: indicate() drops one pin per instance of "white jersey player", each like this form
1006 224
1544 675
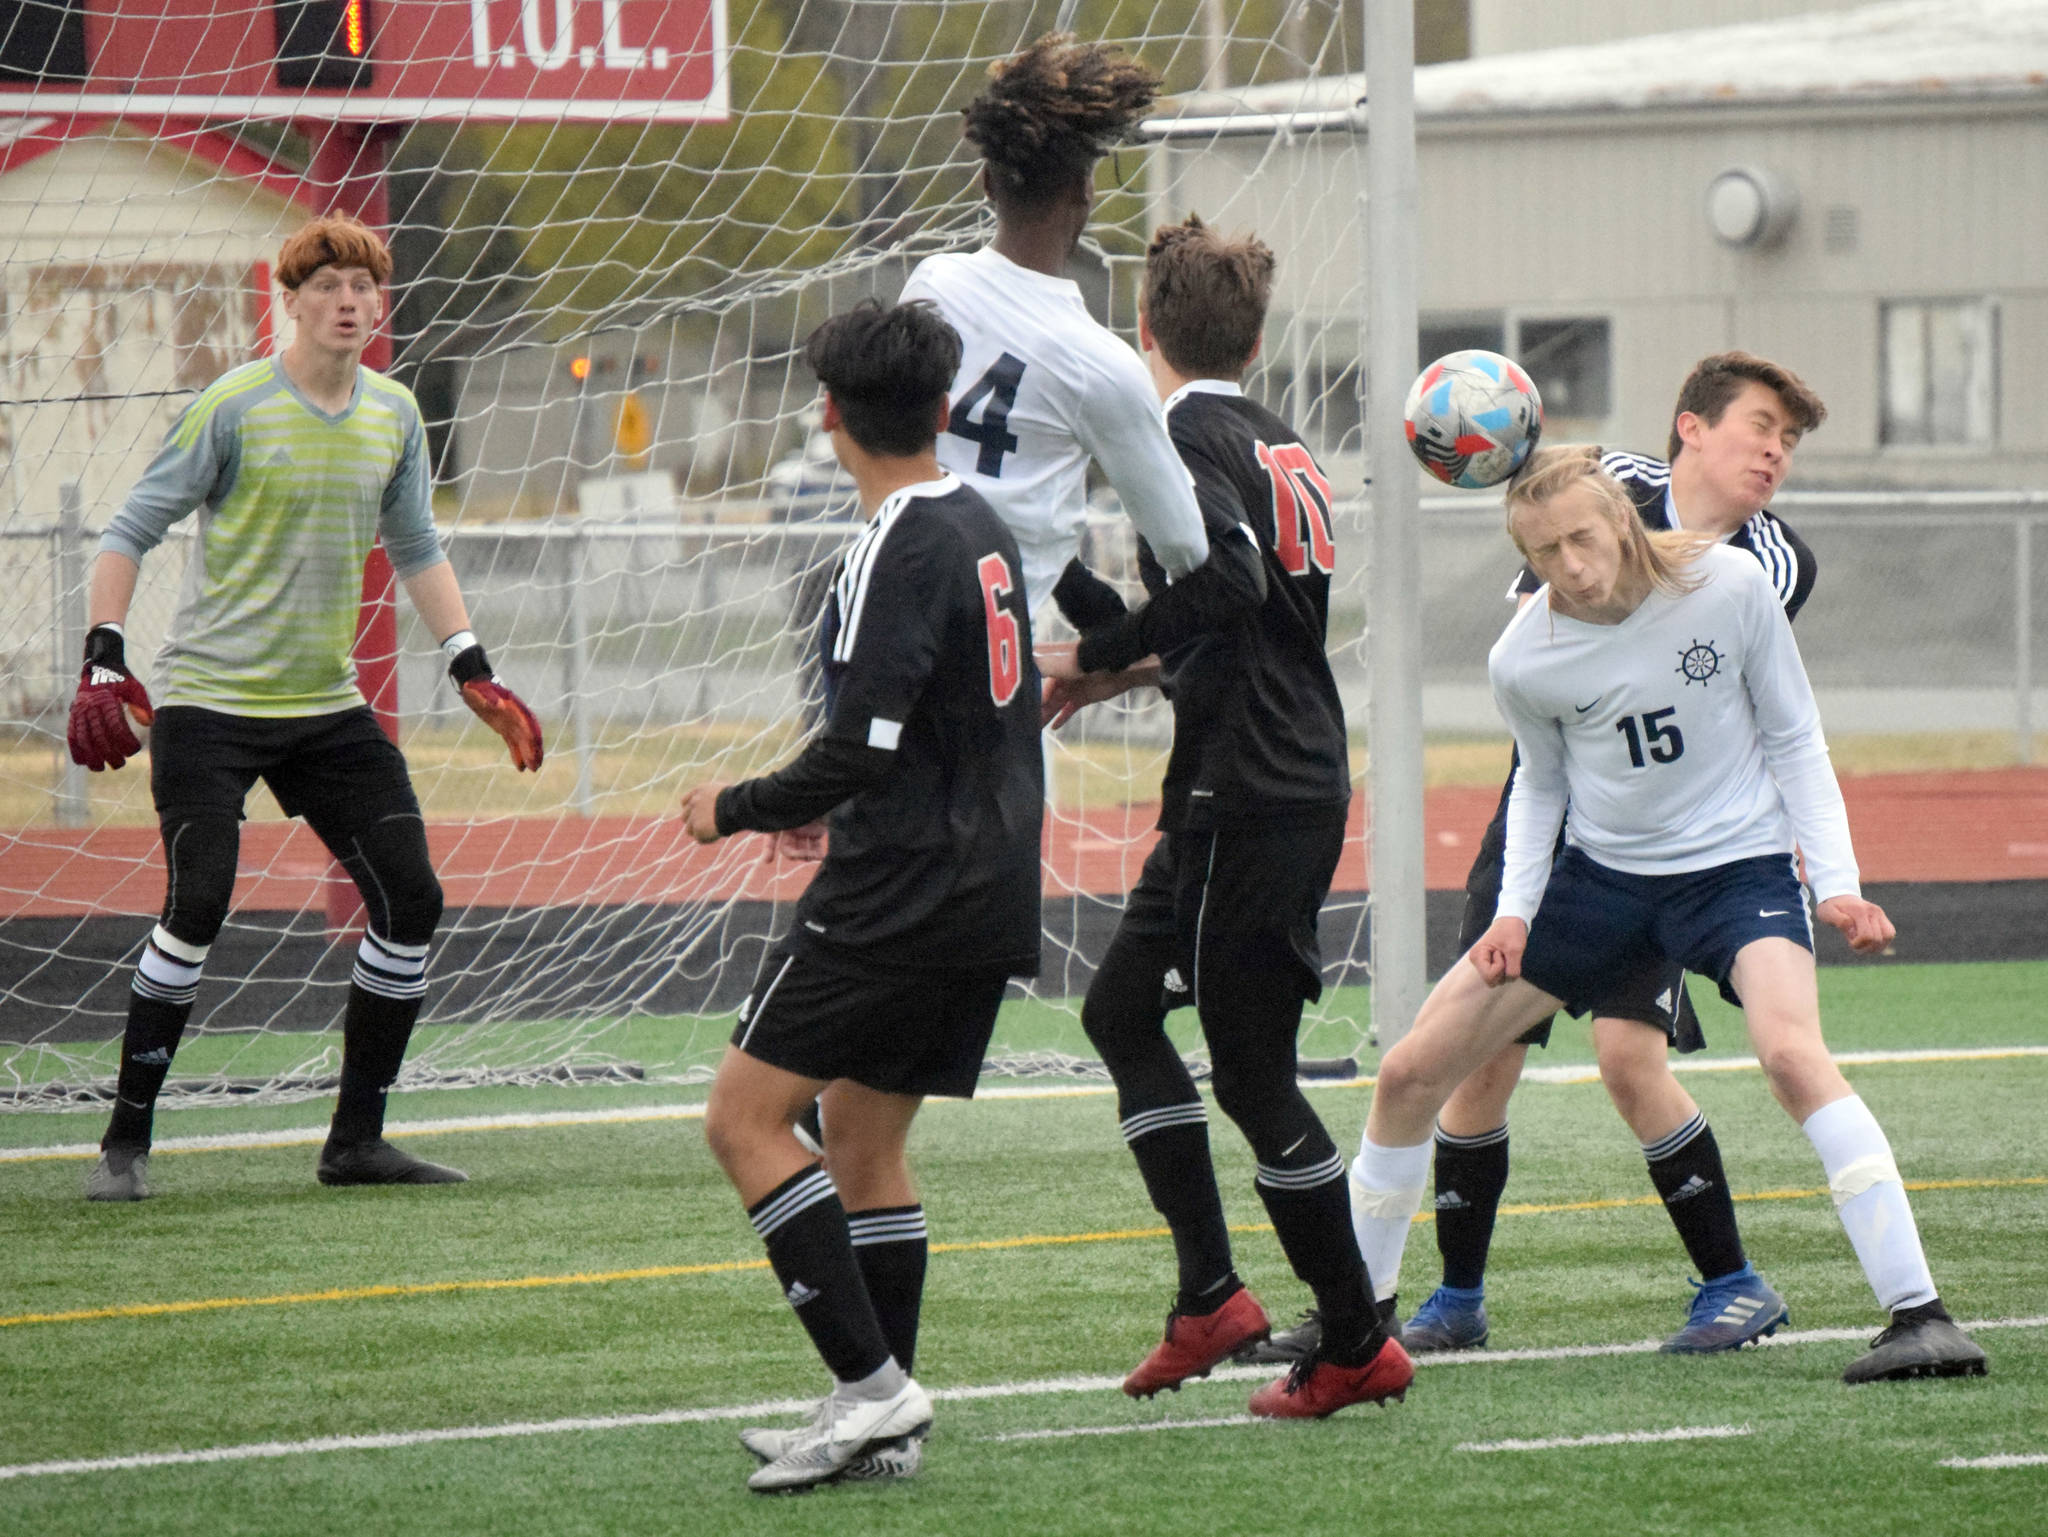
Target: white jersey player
1042 387
1706 688
1684 814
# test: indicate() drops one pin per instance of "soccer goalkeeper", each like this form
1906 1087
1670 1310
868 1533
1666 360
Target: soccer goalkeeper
296 465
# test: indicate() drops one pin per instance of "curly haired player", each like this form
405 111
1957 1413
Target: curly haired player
1042 387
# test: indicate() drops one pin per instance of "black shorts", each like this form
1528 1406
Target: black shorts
1651 992
1596 923
337 771
1238 891
896 1032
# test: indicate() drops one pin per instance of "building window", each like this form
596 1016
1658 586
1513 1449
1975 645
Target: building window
1940 371
1444 334
1570 362
1569 357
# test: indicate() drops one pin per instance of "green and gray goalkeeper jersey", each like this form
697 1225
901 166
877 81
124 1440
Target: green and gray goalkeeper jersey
290 501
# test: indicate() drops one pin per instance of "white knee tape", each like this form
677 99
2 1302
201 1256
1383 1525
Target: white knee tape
1860 1174
1390 1204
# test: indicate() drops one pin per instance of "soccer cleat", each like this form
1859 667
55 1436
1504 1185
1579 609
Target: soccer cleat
1450 1318
1290 1345
1316 1388
1920 1347
122 1174
377 1162
827 1447
1727 1314
900 1458
1196 1342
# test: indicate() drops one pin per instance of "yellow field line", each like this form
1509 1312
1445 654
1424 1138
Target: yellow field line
725 1267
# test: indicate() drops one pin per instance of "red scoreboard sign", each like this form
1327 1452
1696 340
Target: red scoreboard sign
377 60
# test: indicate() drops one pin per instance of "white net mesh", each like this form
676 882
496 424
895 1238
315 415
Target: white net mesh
603 323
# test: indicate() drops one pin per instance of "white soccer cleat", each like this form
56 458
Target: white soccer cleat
830 1445
122 1174
769 1442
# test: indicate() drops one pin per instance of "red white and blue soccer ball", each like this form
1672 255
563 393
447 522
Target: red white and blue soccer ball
1473 418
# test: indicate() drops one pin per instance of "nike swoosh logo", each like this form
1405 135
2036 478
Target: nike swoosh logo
1583 708
1782 912
1297 1143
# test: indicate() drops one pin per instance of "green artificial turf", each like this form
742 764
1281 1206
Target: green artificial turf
604 1271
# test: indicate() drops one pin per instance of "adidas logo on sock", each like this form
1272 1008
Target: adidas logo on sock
1174 983
1693 1186
1450 1200
161 1057
798 1294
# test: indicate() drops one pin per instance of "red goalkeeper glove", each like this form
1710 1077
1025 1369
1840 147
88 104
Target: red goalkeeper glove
497 706
108 693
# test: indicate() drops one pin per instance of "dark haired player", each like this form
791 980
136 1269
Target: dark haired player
1043 388
296 465
1735 426
886 988
1251 826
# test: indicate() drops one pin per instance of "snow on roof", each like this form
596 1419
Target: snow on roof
1905 49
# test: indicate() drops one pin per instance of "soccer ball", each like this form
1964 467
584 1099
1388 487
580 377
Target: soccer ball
1473 418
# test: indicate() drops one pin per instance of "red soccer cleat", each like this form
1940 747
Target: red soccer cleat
1196 1342
1316 1388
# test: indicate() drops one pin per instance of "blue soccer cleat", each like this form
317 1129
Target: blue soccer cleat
1450 1318
1727 1314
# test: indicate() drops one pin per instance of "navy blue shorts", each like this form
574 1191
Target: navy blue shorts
1596 923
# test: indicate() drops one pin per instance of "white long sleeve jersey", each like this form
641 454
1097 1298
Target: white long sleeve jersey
1042 388
1683 738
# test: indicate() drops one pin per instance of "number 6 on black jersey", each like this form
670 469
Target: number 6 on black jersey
1005 655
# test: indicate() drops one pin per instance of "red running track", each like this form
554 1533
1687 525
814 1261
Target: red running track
1984 825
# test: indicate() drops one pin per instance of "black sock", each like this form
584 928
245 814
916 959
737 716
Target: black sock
1686 1169
890 1245
147 1046
384 997
1171 1144
1305 1194
803 1227
1471 1173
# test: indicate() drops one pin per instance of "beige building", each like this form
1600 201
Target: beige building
134 271
1856 191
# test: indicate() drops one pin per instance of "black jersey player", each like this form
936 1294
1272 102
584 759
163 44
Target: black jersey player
1251 827
887 986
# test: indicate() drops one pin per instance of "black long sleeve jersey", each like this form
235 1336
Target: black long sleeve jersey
929 759
1258 727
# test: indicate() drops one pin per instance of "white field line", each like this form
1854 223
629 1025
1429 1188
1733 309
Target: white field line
1615 1438
1125 1430
2003 1460
311 1136
256 1450
1571 1072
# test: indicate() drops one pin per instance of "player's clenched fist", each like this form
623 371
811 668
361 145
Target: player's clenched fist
99 734
497 706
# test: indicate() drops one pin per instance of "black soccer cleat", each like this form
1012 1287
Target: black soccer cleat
377 1162
1918 1347
1287 1346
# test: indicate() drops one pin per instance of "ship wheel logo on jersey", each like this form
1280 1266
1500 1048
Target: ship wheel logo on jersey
1699 662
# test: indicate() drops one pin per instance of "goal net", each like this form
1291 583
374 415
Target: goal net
610 248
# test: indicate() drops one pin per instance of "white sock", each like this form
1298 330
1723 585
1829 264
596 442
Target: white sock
1386 1193
1871 1201
885 1381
